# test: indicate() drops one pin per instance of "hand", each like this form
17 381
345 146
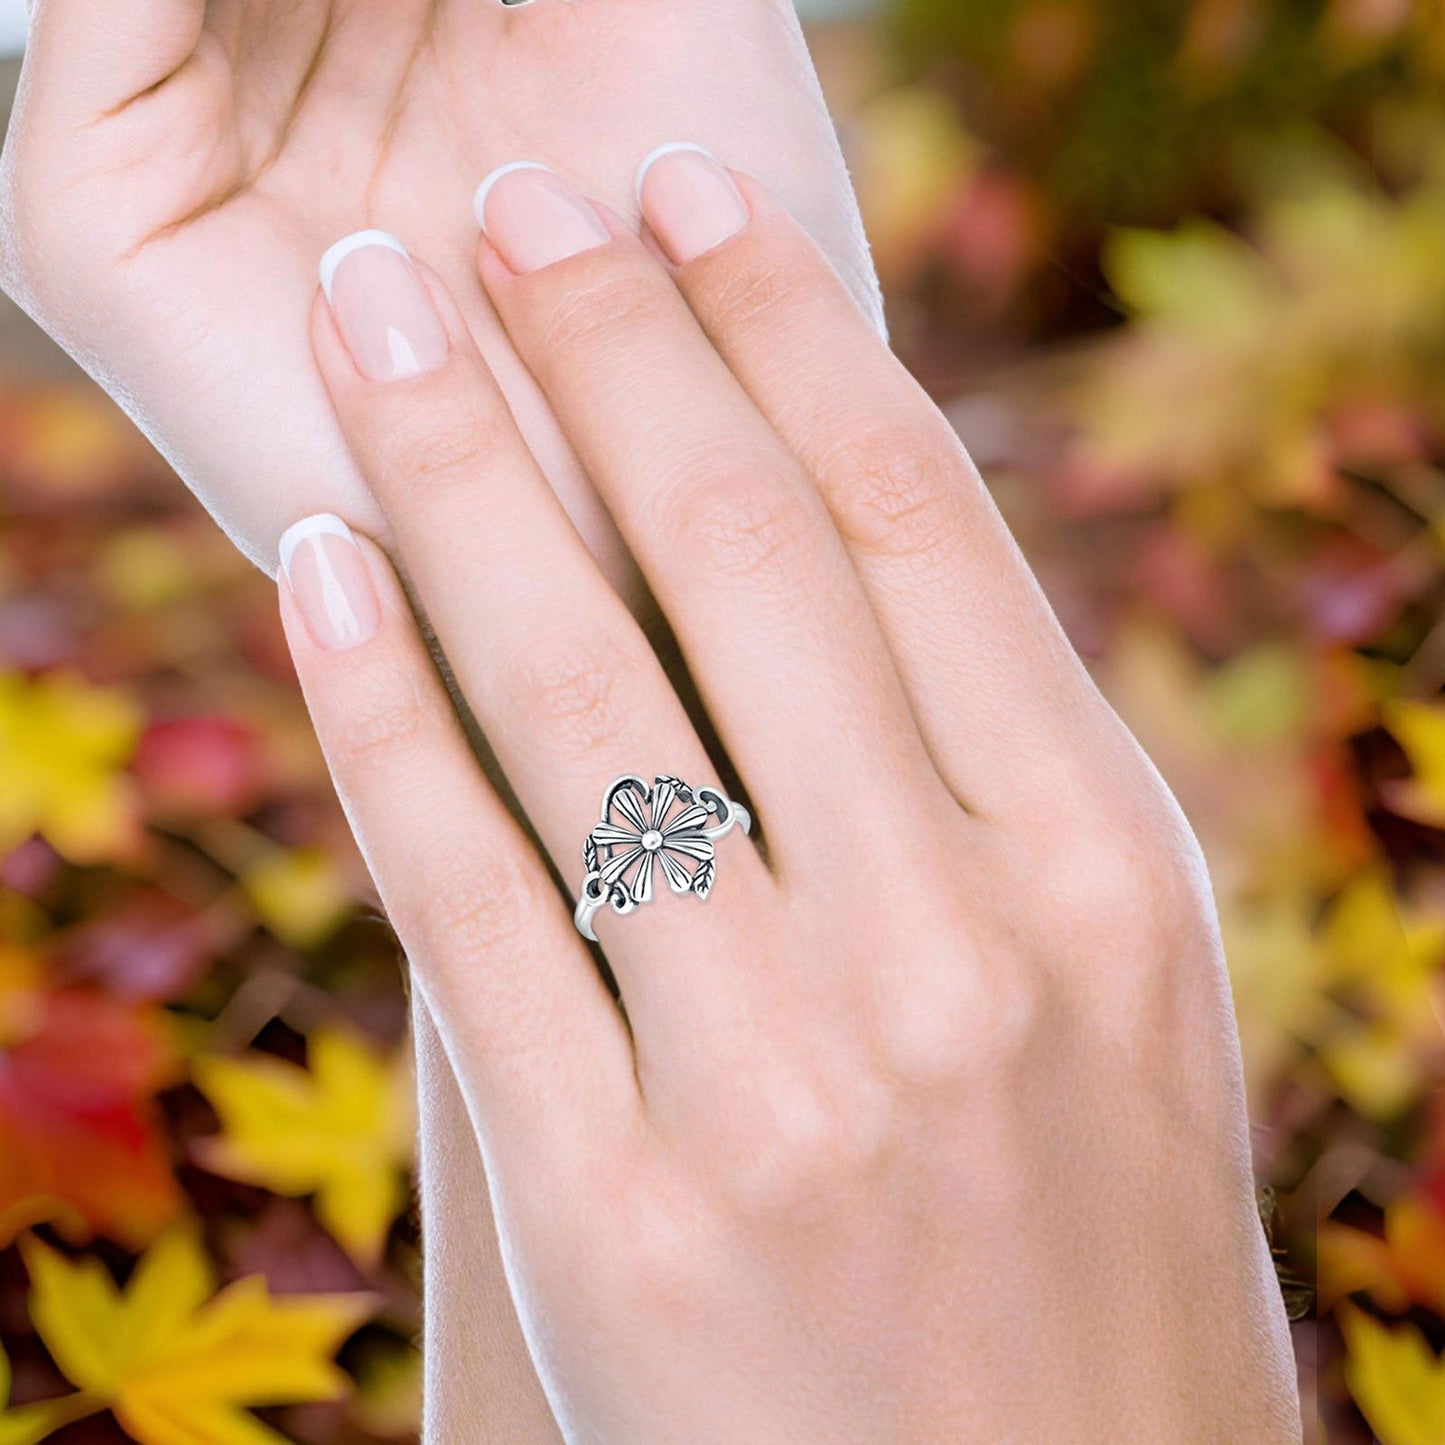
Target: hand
173 172
175 169
930 1127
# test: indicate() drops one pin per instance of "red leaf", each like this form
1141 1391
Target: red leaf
200 766
80 1140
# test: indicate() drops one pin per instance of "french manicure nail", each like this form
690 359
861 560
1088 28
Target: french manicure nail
533 218
382 309
688 200
331 582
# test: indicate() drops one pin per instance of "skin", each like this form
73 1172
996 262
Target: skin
935 1131
172 174
175 171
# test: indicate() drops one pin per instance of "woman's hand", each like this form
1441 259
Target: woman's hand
172 173
175 168
929 1125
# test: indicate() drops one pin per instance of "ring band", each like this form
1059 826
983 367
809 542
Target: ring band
667 826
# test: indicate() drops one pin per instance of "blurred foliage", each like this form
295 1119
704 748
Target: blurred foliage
206 1113
1141 111
1177 272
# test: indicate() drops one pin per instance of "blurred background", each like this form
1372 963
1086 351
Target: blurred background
1176 269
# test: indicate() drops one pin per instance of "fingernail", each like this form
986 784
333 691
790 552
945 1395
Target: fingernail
331 582
533 218
384 313
688 200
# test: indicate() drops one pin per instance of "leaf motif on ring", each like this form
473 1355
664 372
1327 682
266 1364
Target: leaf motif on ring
702 880
676 784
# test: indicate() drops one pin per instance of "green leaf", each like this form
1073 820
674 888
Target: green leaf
1200 275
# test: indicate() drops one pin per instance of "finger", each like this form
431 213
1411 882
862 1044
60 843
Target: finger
95 55
725 525
991 677
540 1045
567 691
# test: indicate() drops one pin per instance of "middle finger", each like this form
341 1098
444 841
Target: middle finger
731 534
557 672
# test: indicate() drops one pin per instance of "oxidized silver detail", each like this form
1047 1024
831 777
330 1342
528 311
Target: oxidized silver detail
668 827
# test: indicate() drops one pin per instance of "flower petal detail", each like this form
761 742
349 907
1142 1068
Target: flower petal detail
690 845
664 790
678 878
609 835
630 806
686 821
642 879
614 868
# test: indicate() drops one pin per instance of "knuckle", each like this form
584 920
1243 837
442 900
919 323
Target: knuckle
738 519
664 1270
473 899
1108 883
384 724
576 695
757 296
802 1144
979 1022
1129 891
585 313
901 491
438 450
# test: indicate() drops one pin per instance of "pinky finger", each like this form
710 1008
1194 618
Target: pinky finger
541 1049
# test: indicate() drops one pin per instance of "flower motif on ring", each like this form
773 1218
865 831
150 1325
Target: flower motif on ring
645 829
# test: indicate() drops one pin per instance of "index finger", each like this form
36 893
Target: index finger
539 1045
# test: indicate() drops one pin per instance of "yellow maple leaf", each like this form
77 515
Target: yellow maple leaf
1419 728
145 568
30 1424
1262 695
1395 1379
1374 948
63 749
300 894
341 1130
1374 1069
175 1362
1388 965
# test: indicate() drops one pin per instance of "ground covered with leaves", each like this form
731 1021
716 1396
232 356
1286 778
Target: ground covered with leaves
1177 272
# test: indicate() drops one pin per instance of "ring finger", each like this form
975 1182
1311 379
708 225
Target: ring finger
565 687
730 532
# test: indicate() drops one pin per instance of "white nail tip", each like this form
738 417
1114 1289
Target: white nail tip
479 201
671 148
323 524
358 241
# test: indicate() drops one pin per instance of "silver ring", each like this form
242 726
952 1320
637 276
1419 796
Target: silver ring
667 826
